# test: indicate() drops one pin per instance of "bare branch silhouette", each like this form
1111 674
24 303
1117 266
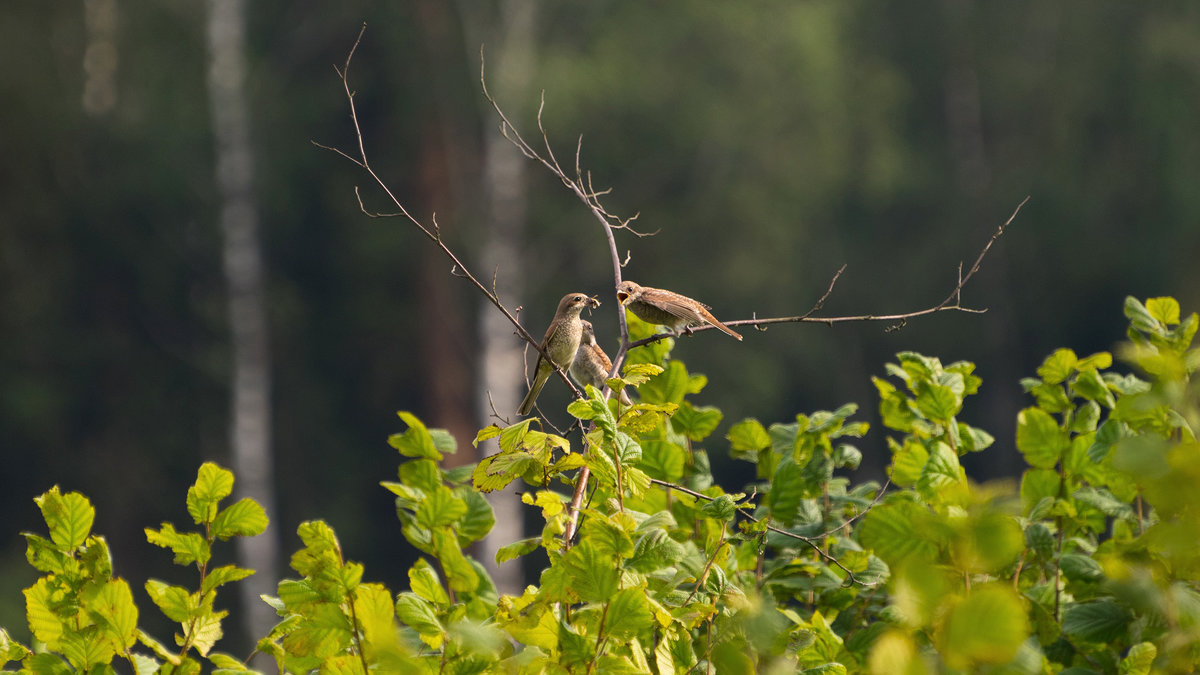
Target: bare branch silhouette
433 232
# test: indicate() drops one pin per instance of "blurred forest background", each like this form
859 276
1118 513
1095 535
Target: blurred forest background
768 143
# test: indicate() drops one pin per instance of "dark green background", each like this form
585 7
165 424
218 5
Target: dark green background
768 142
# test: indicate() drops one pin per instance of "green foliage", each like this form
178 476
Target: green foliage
1089 564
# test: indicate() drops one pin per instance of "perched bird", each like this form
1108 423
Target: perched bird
664 308
561 343
591 364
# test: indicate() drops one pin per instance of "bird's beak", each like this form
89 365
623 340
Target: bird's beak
622 297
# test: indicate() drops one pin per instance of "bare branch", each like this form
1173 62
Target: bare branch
433 232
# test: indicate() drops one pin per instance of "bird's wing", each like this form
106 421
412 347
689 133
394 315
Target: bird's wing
677 305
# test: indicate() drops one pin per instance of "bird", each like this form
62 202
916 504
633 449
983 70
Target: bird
665 308
560 344
591 364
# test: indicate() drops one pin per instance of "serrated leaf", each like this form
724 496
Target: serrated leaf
440 507
213 484
416 441
479 518
1058 366
222 575
174 601
1139 659
1036 485
655 550
110 605
188 547
787 490
243 518
628 614
899 532
460 573
593 574
938 403
416 613
69 517
987 627
517 549
374 611
422 474
1165 309
1039 439
41 599
424 581
696 423
1101 621
227 662
663 460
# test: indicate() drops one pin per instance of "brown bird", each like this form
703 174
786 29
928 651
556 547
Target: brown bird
561 343
591 364
664 308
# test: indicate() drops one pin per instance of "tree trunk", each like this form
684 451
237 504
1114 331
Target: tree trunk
510 70
250 424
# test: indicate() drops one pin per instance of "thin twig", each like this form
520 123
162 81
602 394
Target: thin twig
433 233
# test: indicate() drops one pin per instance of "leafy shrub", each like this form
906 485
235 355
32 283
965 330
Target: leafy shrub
1090 565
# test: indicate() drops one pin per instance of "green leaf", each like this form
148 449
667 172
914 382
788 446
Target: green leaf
938 403
416 441
188 547
654 551
110 605
942 474
41 600
696 423
44 556
787 491
1058 366
1101 621
243 518
479 519
226 662
663 460
444 441
1139 317
68 516
899 532
206 631
416 613
1036 485
594 575
213 484
424 581
374 611
987 627
174 601
422 474
748 437
11 650
669 386
1139 659
517 549
1039 438
440 507
629 614
223 575
607 536
1090 386
1165 309
459 572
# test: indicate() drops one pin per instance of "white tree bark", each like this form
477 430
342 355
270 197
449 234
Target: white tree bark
250 424
510 69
